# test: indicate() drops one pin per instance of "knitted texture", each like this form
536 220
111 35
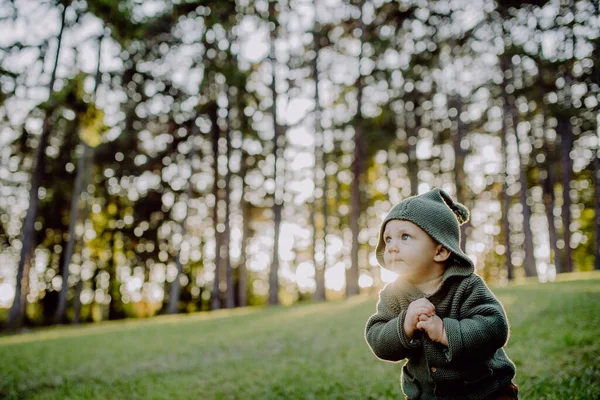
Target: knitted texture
438 215
473 366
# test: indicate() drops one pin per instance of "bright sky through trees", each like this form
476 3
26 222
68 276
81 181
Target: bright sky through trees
428 74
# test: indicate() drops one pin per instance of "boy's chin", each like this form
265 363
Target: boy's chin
402 274
396 268
399 272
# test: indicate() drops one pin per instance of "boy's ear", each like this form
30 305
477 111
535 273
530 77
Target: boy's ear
441 253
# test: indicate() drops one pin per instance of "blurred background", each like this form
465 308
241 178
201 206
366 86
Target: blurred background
178 156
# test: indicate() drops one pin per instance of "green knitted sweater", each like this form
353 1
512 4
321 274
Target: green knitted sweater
474 364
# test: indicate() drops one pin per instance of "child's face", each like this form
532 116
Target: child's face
409 250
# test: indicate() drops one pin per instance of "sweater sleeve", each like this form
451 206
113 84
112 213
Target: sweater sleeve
385 333
483 327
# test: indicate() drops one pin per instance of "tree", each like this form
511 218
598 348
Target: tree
529 263
278 139
93 122
506 201
357 167
320 156
17 310
176 284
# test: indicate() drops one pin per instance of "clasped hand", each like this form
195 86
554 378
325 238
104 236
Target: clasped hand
420 315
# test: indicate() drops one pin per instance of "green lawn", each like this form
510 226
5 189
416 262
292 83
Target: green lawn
303 352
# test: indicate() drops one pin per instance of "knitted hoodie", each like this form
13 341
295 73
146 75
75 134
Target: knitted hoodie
474 364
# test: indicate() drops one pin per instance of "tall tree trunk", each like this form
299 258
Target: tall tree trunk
597 201
245 206
412 137
77 302
565 131
274 272
89 162
74 214
460 178
357 167
88 178
49 302
505 197
548 184
115 306
319 272
115 309
325 212
230 291
215 302
277 196
566 144
342 221
62 300
549 201
319 294
17 310
458 135
389 166
175 289
597 161
530 269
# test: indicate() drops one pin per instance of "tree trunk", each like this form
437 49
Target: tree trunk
175 289
549 201
79 286
230 291
342 221
215 302
597 204
565 131
17 310
505 197
460 178
62 300
319 272
77 302
319 294
596 179
277 196
74 215
115 306
274 276
242 270
412 137
357 167
114 285
530 269
566 144
325 212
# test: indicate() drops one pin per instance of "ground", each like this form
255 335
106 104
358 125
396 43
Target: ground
314 351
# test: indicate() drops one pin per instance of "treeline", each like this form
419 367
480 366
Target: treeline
180 156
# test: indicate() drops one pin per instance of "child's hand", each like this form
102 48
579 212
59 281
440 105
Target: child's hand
415 309
434 326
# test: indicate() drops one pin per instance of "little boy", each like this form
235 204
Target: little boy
438 314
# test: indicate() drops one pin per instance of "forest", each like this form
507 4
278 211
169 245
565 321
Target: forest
175 156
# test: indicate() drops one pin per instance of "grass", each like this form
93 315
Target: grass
314 351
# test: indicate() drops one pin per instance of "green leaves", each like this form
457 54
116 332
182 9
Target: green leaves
91 125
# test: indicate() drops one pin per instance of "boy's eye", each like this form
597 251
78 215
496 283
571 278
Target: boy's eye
387 239
405 236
